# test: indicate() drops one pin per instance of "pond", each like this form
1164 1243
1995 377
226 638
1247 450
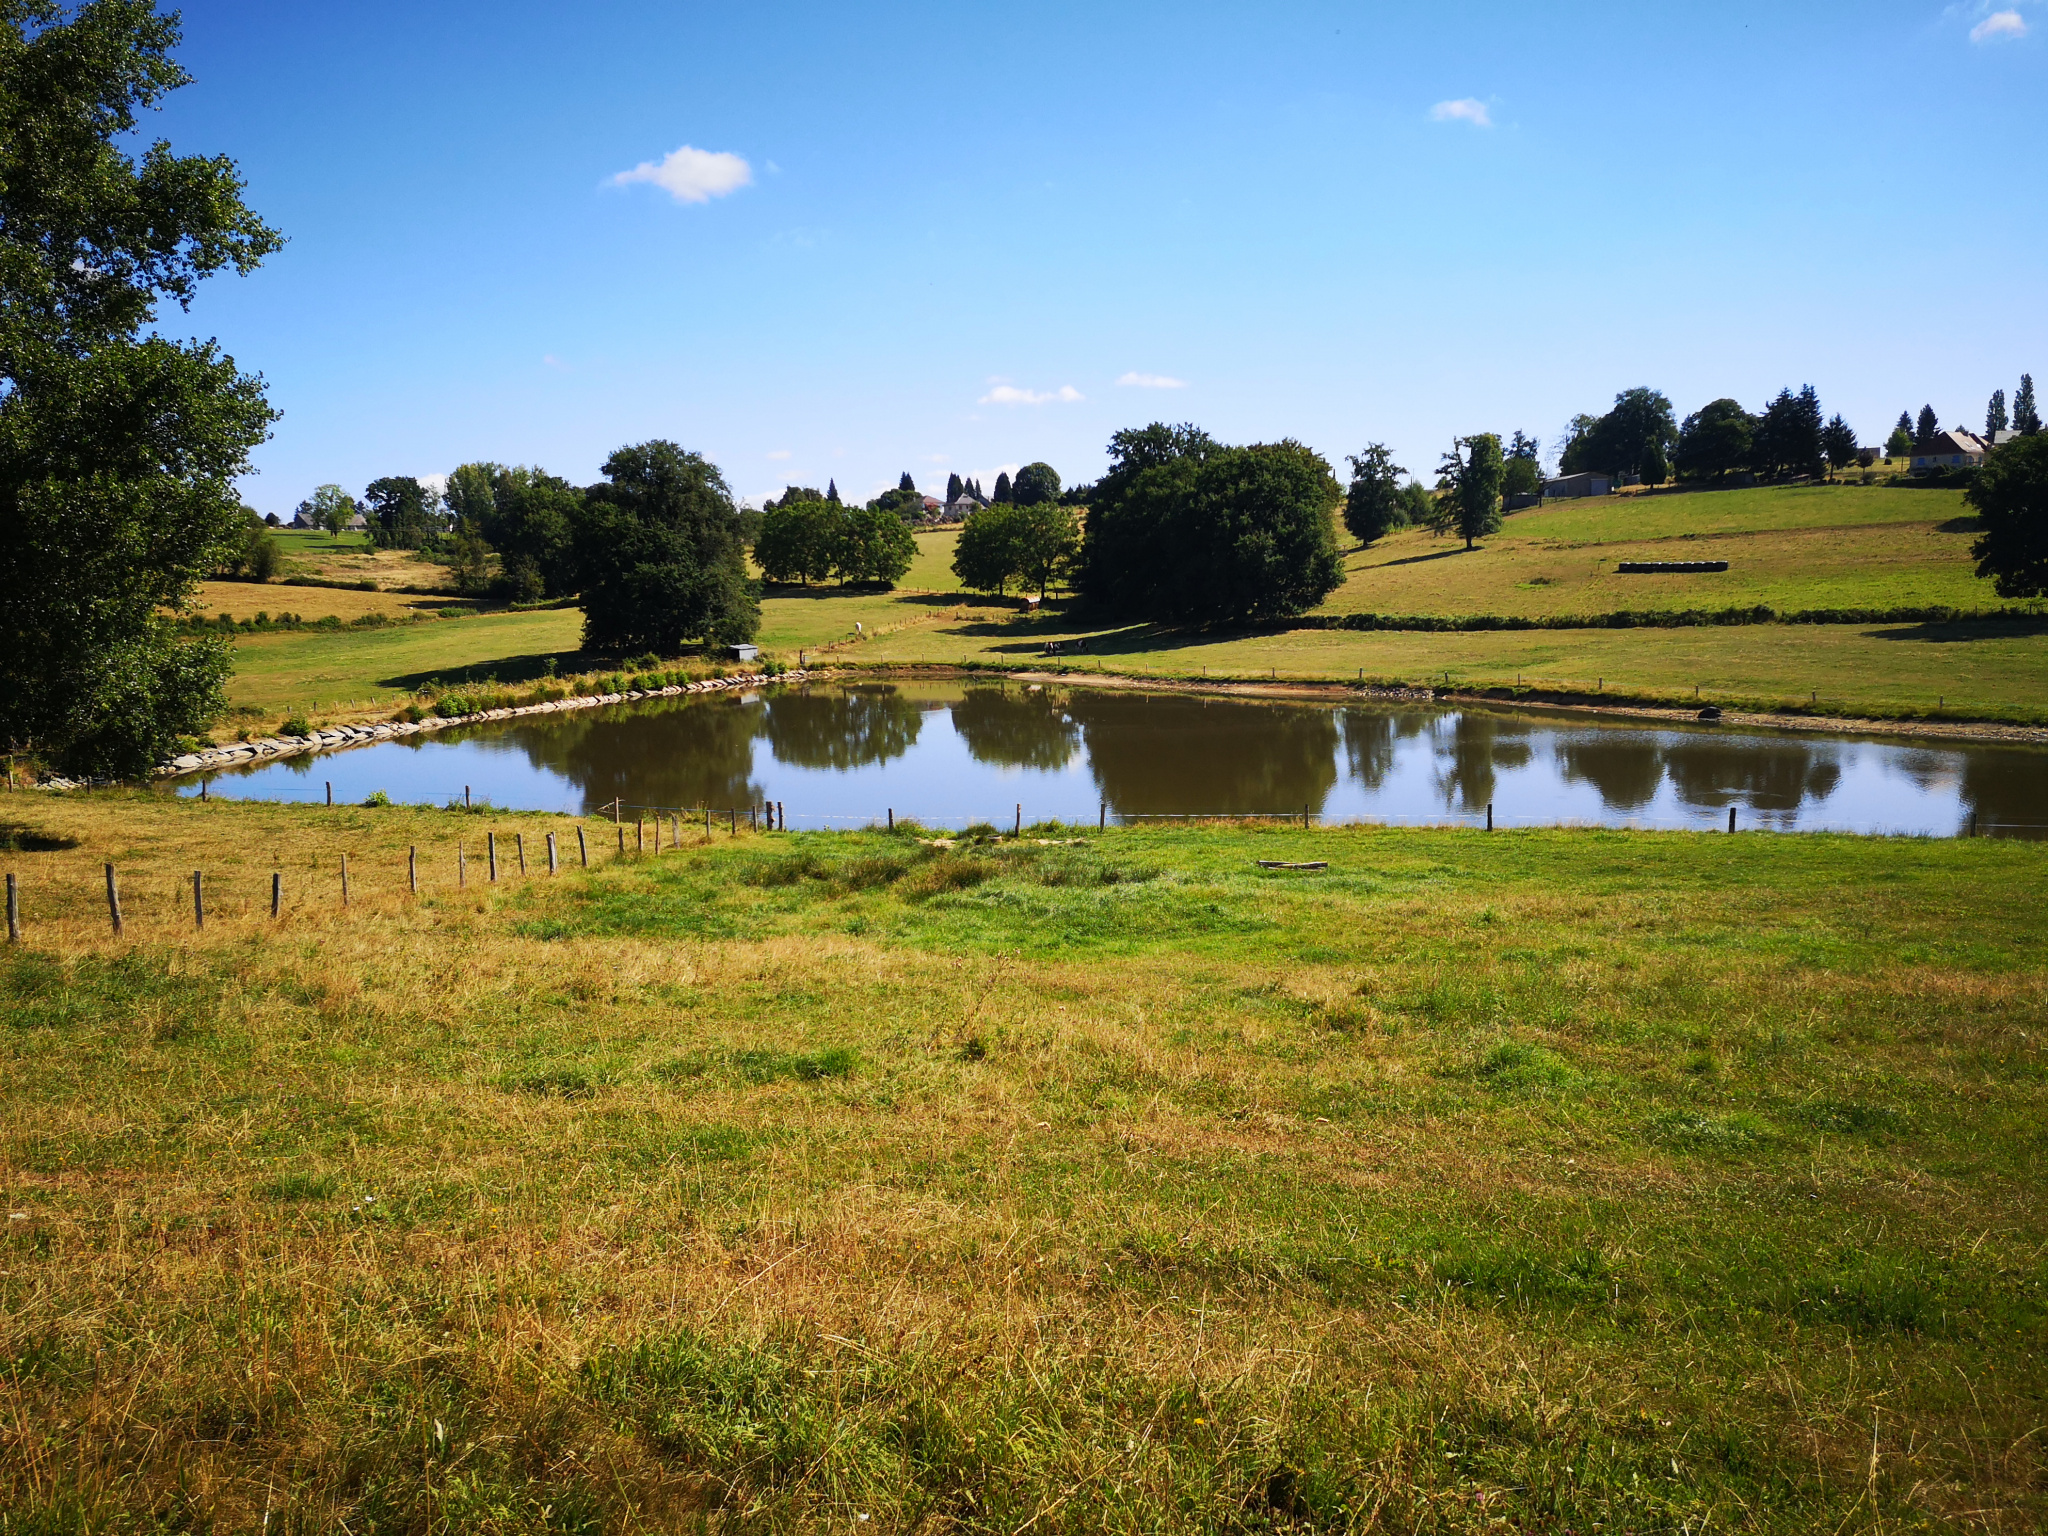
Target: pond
952 753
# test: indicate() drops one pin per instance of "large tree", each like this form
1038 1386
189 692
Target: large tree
1468 486
1787 437
529 517
1995 419
1522 474
2010 493
658 546
1715 439
985 557
402 512
798 538
1618 441
2026 416
874 545
1372 505
1838 442
119 446
1900 444
1927 428
1186 530
1035 483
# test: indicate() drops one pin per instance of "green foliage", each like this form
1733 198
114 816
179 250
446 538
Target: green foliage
1927 428
1035 483
1787 437
1468 488
1522 474
118 448
1715 439
660 554
2026 416
798 539
257 557
985 556
329 508
1187 530
1995 418
401 513
1838 442
872 546
1655 470
1372 505
1002 495
806 541
528 517
1900 444
469 560
1616 443
2010 493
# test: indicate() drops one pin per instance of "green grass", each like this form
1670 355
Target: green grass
1797 548
329 672
1533 1180
1791 549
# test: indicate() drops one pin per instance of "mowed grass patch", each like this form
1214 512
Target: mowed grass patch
329 672
1564 1180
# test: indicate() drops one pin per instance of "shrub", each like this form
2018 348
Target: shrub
377 797
295 725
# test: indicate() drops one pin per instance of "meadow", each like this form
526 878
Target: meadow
1792 549
1075 1182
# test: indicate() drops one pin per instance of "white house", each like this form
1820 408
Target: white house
1953 449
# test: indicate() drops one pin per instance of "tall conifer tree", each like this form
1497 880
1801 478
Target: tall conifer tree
1926 429
2026 416
1995 419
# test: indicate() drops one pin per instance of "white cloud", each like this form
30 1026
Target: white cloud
1469 109
781 453
691 175
1997 25
1009 394
433 485
1152 381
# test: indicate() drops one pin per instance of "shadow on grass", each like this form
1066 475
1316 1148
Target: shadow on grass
1960 634
1438 554
20 839
500 669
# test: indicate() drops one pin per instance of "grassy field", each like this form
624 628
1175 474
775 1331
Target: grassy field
1804 547
1993 672
1793 548
246 599
1531 1181
353 557
333 674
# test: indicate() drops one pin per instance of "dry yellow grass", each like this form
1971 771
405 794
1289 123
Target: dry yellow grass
245 599
1192 1200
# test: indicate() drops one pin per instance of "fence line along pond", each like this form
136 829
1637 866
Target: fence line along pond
953 753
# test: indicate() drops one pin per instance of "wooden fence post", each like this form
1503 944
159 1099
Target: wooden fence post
1731 818
519 840
1102 817
461 866
465 797
781 818
892 818
276 894
344 879
412 868
622 837
1019 832
732 821
330 792
551 853
198 904
13 909
582 847
491 852
1489 815
640 834
113 901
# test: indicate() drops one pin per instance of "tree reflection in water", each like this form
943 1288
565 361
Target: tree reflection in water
1177 754
842 728
679 752
1370 741
1020 728
1626 770
1477 744
2005 790
1772 778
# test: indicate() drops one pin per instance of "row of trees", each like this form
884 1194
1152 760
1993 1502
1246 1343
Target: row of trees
806 538
1912 434
1641 437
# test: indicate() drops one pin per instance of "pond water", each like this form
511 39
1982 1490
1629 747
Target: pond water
951 753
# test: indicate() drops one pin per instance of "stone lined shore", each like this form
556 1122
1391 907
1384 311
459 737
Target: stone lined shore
240 754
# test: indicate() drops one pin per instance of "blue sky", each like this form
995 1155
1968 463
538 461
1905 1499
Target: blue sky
962 237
